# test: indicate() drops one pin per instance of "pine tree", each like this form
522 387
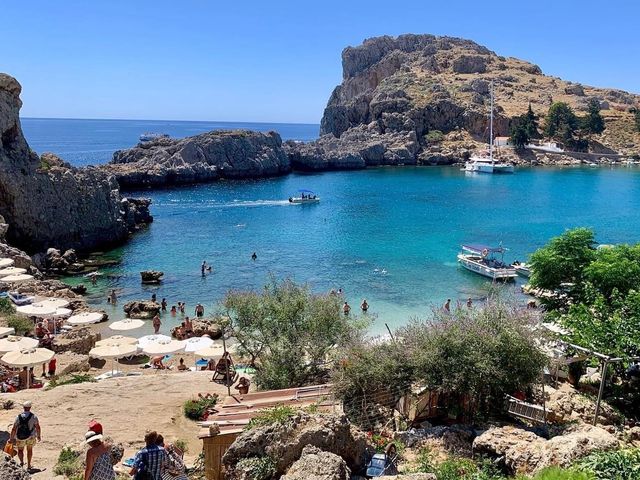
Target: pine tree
637 119
561 122
531 123
593 122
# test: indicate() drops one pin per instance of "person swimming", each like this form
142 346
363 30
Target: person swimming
254 256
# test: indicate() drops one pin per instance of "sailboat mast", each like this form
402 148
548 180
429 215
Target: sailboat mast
491 127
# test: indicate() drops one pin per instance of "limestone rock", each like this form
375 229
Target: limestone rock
46 202
202 158
470 64
75 363
574 89
142 309
201 327
412 476
9 468
314 464
79 341
285 442
151 276
567 404
526 452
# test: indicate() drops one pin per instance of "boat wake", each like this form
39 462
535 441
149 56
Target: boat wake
254 203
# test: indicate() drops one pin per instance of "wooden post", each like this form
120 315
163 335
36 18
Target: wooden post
603 377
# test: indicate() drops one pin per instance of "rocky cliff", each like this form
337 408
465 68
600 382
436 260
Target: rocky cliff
202 158
48 203
425 99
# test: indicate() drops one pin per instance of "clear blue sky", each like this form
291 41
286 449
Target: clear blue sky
277 60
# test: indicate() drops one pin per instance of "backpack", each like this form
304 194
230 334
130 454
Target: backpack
24 431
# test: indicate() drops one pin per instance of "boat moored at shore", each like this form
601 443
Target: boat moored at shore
482 259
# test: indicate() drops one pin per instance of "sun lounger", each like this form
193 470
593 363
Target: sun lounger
20 299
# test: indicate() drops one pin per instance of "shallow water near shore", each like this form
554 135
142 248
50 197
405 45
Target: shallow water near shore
389 235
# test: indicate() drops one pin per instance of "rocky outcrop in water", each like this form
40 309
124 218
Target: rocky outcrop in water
142 309
202 158
48 203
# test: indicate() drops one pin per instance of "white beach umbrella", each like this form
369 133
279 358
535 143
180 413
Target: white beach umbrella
85 318
194 344
35 310
61 313
16 278
5 272
53 302
126 324
6 331
212 351
6 262
147 339
117 340
163 347
17 343
28 357
113 352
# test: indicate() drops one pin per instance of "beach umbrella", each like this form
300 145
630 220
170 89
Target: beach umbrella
163 347
5 272
144 341
6 262
29 357
212 351
85 318
194 344
61 313
6 331
113 352
53 302
16 278
126 324
16 343
117 340
35 310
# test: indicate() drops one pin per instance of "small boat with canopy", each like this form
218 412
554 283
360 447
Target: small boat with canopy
305 196
486 261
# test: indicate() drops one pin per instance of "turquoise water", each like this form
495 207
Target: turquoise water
389 235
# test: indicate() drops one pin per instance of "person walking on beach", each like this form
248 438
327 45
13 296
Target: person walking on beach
148 462
156 324
25 432
199 311
447 305
98 464
346 308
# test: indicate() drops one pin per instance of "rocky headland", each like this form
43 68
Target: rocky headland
408 100
210 156
48 203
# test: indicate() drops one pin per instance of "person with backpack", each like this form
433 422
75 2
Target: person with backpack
25 432
149 462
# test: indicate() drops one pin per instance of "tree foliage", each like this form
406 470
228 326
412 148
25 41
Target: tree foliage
561 122
288 332
523 129
636 117
593 123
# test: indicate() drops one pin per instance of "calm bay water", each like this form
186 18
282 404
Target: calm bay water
390 235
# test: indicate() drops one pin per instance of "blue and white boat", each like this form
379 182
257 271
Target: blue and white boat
483 260
305 196
150 136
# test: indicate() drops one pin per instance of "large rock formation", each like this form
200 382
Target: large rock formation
425 99
10 470
46 202
202 158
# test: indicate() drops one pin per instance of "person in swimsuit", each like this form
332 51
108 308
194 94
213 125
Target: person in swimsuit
364 305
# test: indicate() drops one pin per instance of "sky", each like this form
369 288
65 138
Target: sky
276 61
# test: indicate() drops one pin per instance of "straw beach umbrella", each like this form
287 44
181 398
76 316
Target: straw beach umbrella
16 343
5 272
194 344
53 302
6 262
85 318
6 331
61 313
126 324
117 340
29 357
147 339
163 347
212 351
16 278
35 310
113 351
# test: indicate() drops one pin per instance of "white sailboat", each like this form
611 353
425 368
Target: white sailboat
479 164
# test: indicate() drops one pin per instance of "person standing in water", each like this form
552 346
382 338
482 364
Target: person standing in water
113 298
447 305
203 267
469 302
346 308
163 304
364 305
254 256
156 324
199 311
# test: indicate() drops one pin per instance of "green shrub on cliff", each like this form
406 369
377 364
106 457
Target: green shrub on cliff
22 325
6 308
613 465
636 118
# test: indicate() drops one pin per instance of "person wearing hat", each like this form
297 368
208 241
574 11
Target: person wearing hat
25 432
98 461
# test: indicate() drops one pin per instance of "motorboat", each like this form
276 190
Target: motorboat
150 136
483 260
304 196
479 164
522 268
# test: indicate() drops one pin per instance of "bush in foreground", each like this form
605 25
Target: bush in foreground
195 409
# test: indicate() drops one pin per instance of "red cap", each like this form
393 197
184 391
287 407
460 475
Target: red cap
94 426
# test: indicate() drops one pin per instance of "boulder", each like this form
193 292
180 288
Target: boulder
574 89
11 470
314 464
454 438
151 276
202 327
566 404
470 64
47 202
525 452
80 341
142 309
284 442
75 363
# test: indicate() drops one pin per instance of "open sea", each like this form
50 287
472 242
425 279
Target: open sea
389 235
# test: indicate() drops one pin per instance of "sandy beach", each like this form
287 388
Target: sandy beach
127 408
